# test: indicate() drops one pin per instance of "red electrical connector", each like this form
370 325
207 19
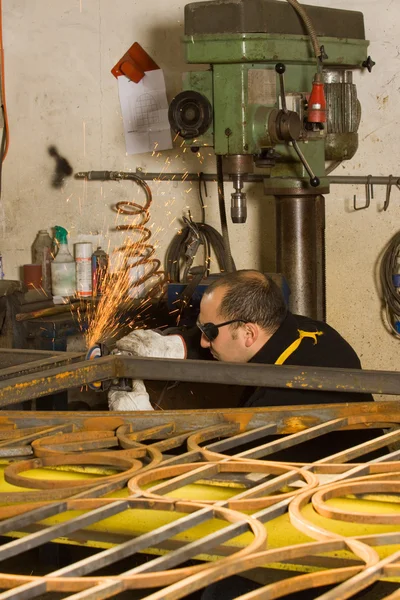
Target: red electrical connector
134 64
317 102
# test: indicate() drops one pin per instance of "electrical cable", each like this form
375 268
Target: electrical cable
5 142
222 213
176 251
318 51
202 205
203 220
389 266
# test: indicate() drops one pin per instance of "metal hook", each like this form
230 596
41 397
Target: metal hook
369 191
388 192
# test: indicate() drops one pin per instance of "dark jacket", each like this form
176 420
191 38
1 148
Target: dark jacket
331 350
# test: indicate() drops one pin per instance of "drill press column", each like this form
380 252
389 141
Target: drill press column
300 238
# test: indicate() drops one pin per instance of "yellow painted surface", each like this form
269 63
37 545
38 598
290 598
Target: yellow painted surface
280 531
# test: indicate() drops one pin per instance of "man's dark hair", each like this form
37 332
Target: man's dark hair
251 296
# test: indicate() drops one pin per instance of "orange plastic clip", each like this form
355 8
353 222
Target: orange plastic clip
134 64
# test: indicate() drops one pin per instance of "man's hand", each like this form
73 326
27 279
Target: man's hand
137 399
149 343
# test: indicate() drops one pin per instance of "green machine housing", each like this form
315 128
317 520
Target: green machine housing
252 107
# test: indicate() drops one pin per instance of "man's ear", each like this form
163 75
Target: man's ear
251 334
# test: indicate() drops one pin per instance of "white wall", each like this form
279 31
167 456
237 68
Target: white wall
58 56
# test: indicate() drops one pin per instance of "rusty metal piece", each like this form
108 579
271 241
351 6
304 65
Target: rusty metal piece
170 430
24 436
288 420
15 388
359 487
16 451
188 473
150 575
48 381
12 471
280 589
81 441
128 438
379 482
210 433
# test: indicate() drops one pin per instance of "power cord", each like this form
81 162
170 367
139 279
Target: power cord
390 265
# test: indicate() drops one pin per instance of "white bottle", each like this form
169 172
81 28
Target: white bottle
83 262
63 267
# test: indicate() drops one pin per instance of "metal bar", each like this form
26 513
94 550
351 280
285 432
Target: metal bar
36 539
37 434
287 419
254 178
360 581
291 440
27 387
99 592
362 449
363 180
50 360
181 480
302 378
242 438
147 540
191 550
15 390
33 516
263 489
25 592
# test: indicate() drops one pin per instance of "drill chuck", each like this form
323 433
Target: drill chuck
239 207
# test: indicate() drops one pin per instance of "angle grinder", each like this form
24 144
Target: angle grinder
98 351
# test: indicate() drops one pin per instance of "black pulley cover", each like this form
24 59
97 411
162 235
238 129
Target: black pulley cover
190 114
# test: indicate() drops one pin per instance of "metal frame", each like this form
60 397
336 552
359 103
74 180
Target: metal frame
131 446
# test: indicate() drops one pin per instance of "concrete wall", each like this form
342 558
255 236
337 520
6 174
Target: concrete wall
58 56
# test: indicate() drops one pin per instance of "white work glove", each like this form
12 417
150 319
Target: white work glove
144 343
149 343
137 399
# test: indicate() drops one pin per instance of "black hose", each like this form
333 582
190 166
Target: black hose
388 268
175 255
222 213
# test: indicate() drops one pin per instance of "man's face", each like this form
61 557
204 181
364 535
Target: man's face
229 345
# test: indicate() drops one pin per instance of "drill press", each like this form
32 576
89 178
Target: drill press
279 96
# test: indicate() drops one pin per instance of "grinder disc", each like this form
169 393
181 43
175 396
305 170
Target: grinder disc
94 352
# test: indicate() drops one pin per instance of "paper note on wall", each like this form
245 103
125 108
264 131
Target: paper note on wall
144 108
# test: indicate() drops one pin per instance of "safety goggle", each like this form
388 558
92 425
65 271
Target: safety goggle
211 330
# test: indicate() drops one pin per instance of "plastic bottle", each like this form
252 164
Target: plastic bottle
63 266
42 255
83 262
99 271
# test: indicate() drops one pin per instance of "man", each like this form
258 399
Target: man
243 318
